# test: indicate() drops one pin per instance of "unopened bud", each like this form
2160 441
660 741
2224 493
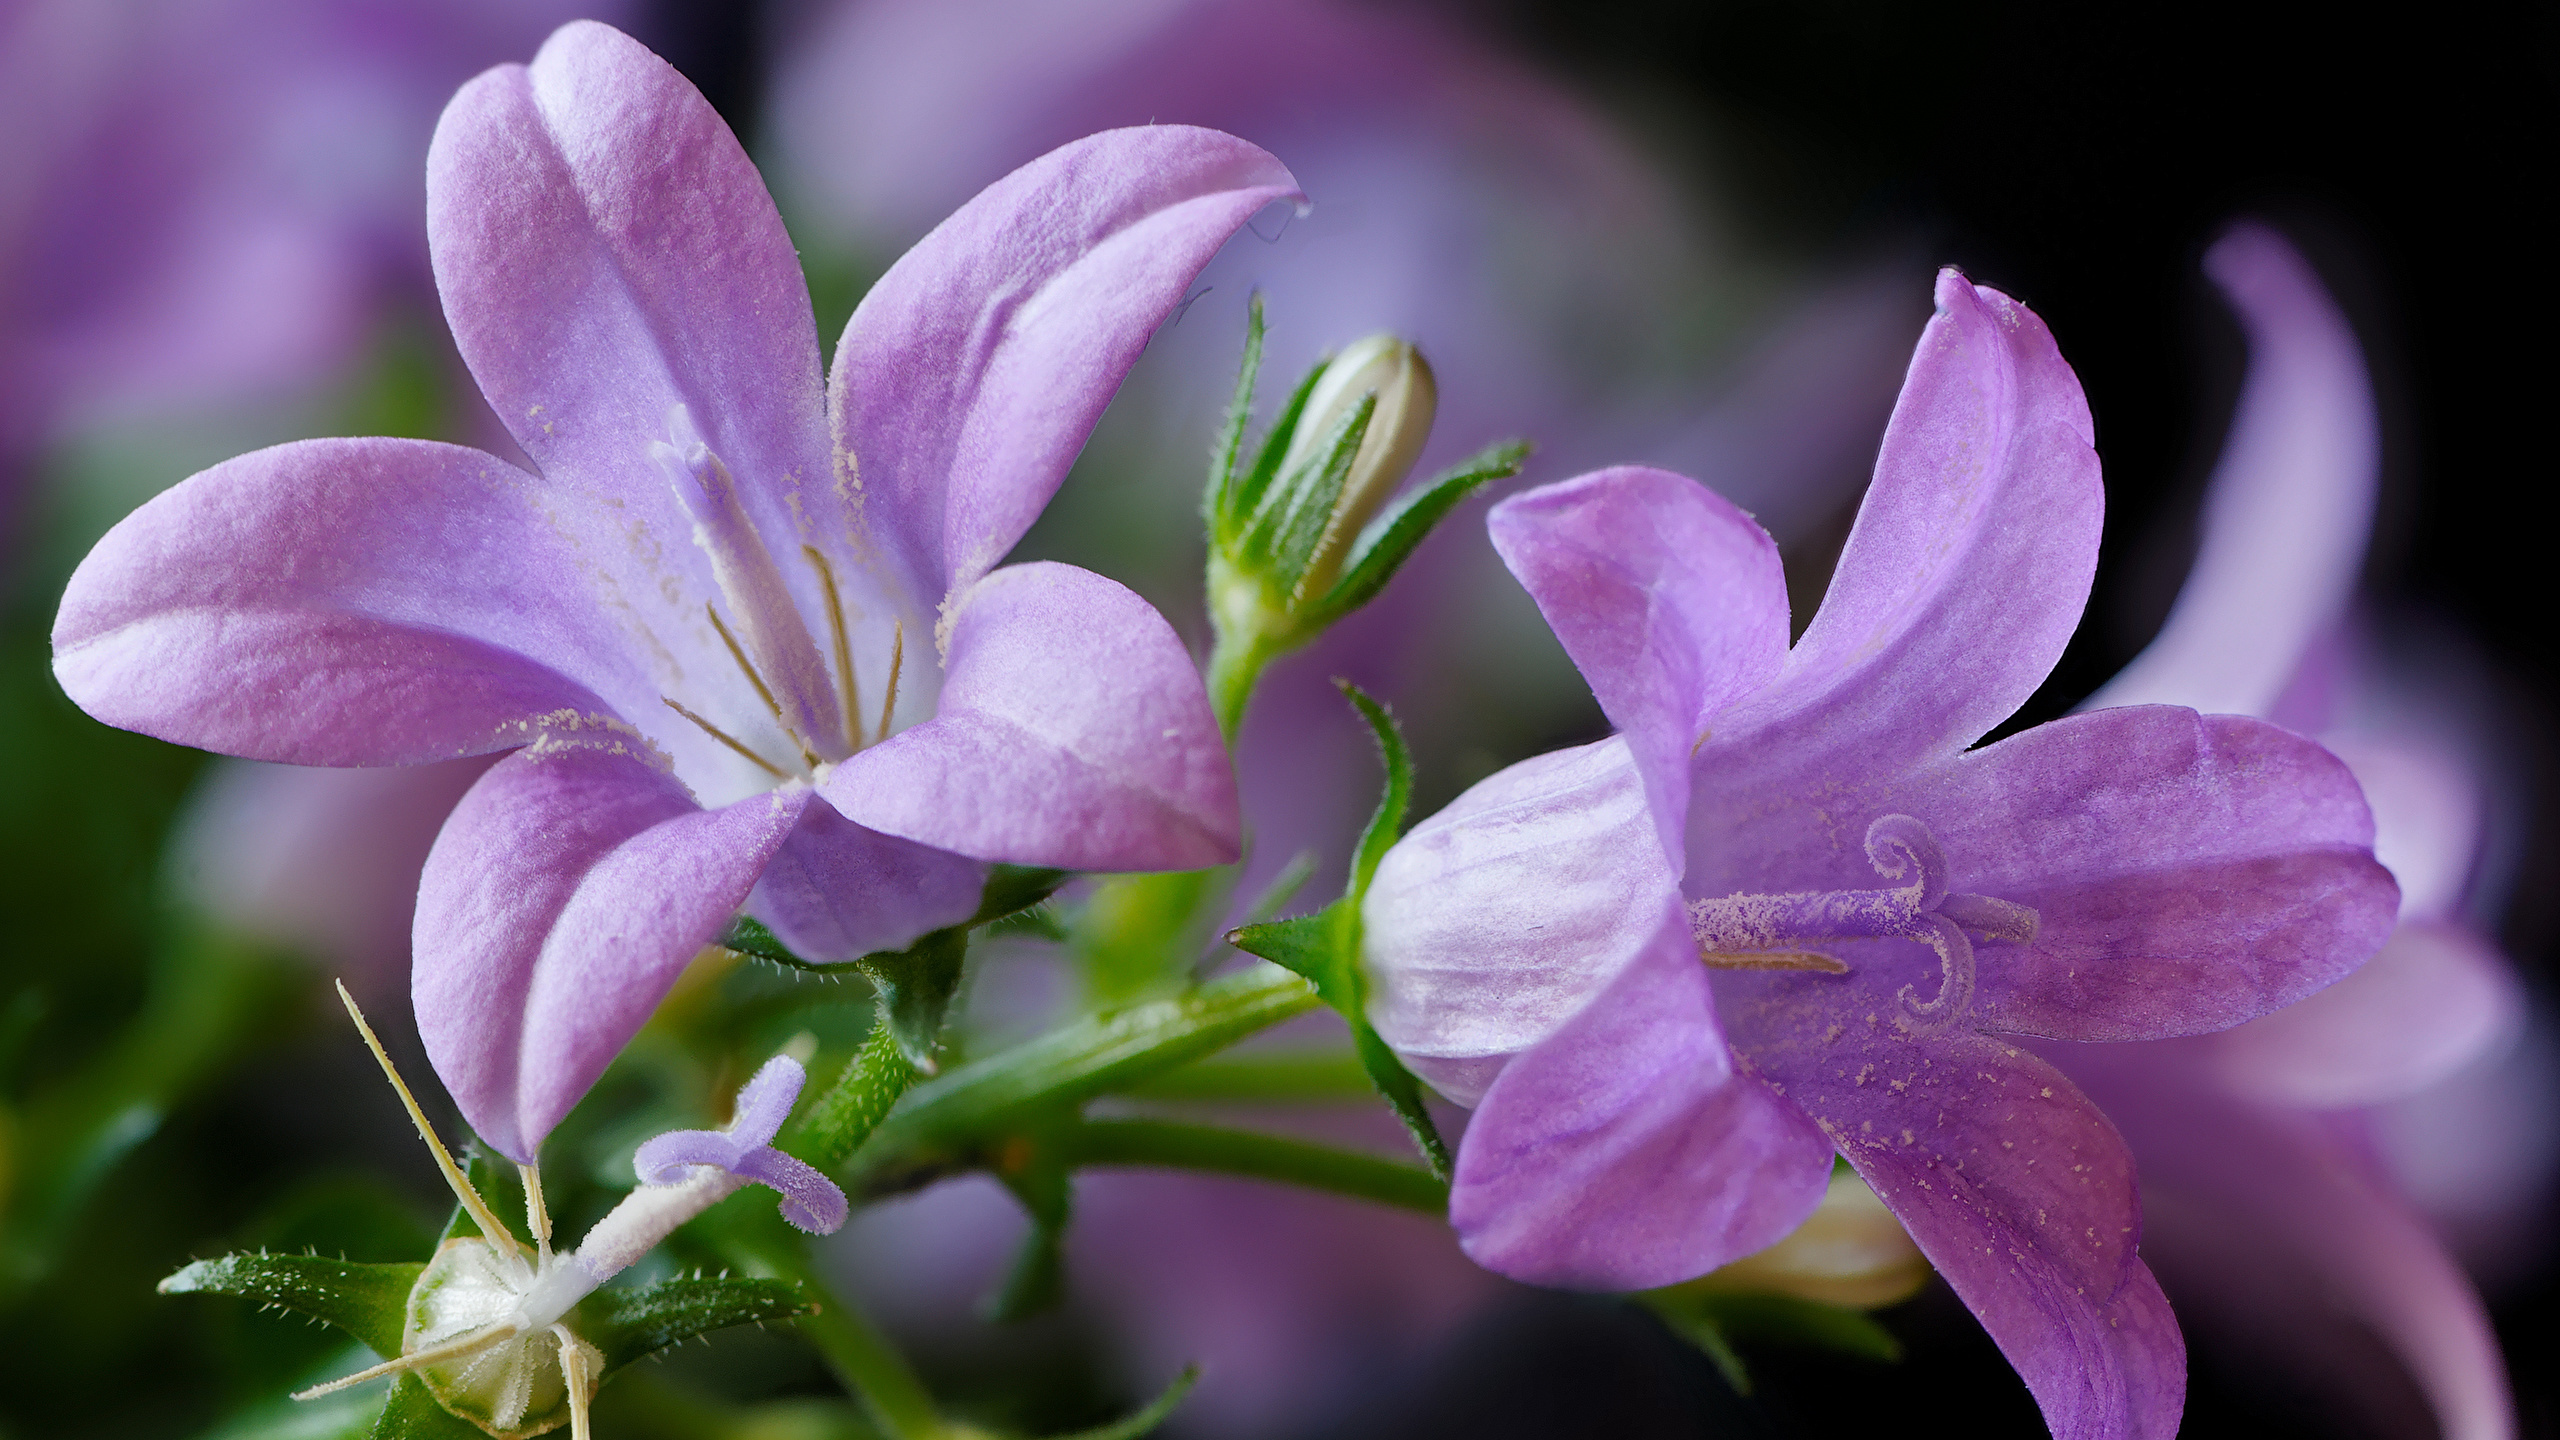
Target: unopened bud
1408 397
1851 1251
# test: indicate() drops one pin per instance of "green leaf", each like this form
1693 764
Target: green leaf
1309 945
1387 822
916 986
1249 493
1388 540
629 1323
1222 461
748 936
1715 1321
413 1414
366 1301
1012 889
1146 1420
935 1129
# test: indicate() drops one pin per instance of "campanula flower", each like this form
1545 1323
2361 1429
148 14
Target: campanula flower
1786 910
2257 1143
741 625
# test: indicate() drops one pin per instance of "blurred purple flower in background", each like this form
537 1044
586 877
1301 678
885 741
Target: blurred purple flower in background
2131 874
207 203
2274 1200
373 602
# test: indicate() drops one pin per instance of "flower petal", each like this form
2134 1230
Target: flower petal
1496 920
1626 1151
2017 1189
837 892
2190 872
1072 731
972 372
1968 566
567 892
1668 598
606 251
341 602
2291 499
2434 1000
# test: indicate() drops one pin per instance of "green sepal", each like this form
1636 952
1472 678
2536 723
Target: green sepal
1245 497
748 936
916 985
1390 538
368 1302
1144 1421
628 1324
413 1414
832 1128
1220 499
1280 540
1325 946
1036 1280
1715 1321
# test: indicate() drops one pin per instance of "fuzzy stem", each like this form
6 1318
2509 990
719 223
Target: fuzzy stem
853 1107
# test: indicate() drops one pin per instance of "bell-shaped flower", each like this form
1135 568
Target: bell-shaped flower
740 625
1788 910
2258 1142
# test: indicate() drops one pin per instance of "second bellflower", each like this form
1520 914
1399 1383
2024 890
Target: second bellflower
1786 910
740 625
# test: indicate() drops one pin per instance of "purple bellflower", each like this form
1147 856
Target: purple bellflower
2256 1145
741 626
1877 907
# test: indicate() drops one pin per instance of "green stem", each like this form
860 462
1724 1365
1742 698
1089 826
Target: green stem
944 1122
1235 664
1270 1077
861 1357
1261 1157
846 1115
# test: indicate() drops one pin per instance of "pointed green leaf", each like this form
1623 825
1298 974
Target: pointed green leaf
1222 462
1012 889
1387 822
413 1414
1784 1319
748 936
1703 1332
366 1301
1310 945
1256 484
629 1323
1385 543
1145 1421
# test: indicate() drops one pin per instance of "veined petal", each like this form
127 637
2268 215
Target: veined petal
971 374
342 602
1669 600
606 251
2435 999
2189 871
1626 1151
2017 1189
1072 731
836 891
2291 499
1496 920
567 892
1966 571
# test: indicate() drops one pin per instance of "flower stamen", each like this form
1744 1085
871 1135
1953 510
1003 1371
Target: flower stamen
725 738
849 688
897 658
764 692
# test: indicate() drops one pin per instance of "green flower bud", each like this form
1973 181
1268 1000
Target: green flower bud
1407 398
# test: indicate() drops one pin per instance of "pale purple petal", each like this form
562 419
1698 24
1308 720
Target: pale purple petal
1496 920
765 1101
810 1201
567 892
2189 872
1968 566
2009 1180
342 602
2291 500
1627 1151
1669 600
837 892
971 374
2435 999
2426 799
2274 1223
1072 731
664 1159
606 251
